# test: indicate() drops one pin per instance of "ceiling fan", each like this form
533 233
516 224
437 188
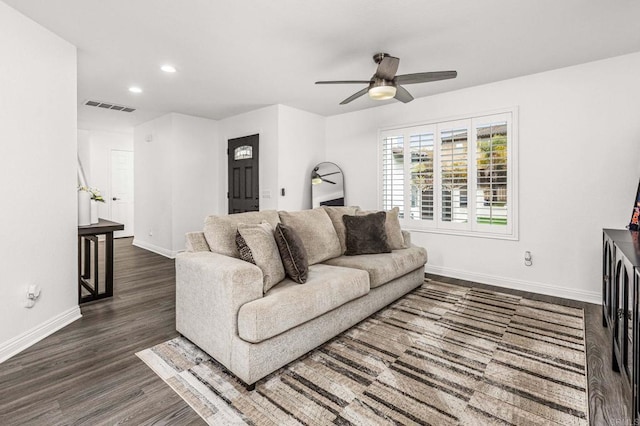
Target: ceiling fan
317 179
385 84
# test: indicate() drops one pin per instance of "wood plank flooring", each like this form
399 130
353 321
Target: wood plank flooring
87 373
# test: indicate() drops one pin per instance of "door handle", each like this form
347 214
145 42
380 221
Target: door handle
115 198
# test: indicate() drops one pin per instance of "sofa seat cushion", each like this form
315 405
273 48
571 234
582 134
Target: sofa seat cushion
290 304
384 267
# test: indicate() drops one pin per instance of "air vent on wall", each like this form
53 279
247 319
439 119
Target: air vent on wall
109 105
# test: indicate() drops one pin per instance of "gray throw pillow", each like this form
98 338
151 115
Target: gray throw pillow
292 252
392 228
256 244
366 234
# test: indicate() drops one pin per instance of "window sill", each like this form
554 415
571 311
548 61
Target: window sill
463 233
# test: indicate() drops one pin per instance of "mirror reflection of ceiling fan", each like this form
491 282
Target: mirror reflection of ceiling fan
385 84
317 179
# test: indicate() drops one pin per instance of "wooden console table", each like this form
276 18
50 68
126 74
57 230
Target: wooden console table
89 234
621 309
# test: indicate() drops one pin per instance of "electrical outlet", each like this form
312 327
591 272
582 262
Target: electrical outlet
33 292
528 260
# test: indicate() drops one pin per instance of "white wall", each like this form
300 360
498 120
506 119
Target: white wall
152 183
175 186
579 141
195 170
301 145
38 171
84 152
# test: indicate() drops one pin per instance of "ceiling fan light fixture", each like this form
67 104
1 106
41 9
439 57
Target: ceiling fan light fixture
315 177
382 90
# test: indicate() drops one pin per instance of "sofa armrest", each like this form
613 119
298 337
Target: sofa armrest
407 238
195 241
210 289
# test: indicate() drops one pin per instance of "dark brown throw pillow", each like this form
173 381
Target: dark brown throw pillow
292 252
366 234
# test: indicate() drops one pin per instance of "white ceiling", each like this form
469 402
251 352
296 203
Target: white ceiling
240 55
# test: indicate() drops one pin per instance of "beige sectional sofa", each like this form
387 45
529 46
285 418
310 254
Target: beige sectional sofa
222 307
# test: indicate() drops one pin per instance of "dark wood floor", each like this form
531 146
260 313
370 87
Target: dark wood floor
88 374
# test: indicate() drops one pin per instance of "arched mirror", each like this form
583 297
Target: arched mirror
327 185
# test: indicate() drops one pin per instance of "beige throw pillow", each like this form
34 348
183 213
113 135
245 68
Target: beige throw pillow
316 232
256 244
391 226
220 231
335 214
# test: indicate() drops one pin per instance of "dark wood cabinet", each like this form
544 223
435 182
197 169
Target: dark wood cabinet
620 303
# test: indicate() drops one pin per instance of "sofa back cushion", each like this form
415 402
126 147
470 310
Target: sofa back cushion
316 231
335 214
391 226
220 231
256 244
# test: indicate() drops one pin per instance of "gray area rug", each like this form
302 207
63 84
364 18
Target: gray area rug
441 355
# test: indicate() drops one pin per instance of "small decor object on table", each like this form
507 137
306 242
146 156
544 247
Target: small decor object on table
84 206
88 199
96 198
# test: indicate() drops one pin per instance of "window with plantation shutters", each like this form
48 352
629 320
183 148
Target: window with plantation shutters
421 175
453 176
393 173
453 172
491 171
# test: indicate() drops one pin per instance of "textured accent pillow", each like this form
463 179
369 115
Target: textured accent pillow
392 228
256 244
316 231
366 234
220 231
292 253
335 214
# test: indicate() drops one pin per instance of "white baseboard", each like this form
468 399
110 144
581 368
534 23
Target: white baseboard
158 250
534 287
33 336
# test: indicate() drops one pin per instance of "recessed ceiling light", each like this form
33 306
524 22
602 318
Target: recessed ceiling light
168 68
135 89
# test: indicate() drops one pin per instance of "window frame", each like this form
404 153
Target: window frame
437 224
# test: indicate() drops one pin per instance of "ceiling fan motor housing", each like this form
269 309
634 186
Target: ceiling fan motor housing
381 89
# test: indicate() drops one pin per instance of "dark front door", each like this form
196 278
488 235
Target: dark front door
243 174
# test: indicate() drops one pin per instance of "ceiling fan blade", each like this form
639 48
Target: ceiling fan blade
387 68
355 96
328 181
424 77
344 82
402 95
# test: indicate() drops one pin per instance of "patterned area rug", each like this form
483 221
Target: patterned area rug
441 355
